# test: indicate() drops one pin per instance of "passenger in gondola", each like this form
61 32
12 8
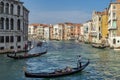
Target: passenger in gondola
68 69
39 44
79 61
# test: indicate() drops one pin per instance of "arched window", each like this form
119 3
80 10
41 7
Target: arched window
7 8
114 41
7 24
18 10
18 24
12 24
11 9
1 23
1 7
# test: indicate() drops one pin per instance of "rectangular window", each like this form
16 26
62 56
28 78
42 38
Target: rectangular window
114 24
114 7
7 39
114 14
18 38
1 39
11 39
1 48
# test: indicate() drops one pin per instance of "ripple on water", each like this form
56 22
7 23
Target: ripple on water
104 64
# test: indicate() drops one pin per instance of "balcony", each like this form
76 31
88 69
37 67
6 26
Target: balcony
112 19
93 33
112 28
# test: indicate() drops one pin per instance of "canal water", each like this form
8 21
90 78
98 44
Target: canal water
104 63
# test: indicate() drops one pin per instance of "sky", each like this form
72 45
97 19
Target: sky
61 11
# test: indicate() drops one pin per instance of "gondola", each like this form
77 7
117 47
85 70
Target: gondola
99 46
26 55
54 74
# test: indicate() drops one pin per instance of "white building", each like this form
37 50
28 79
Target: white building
96 27
87 30
56 31
46 32
81 37
13 25
114 23
38 32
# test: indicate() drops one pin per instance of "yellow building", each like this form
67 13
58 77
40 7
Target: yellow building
104 27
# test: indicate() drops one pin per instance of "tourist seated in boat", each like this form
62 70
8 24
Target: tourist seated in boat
68 69
39 43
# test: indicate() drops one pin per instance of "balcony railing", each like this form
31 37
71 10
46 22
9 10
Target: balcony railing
112 28
93 33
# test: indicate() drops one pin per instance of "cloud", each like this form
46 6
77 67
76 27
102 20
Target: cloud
53 17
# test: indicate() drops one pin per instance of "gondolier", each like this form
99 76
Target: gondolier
15 52
79 61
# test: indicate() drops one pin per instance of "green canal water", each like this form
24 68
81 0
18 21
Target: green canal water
104 63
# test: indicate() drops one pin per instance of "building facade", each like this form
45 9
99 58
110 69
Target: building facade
114 23
87 31
104 21
96 27
77 31
38 32
46 32
13 25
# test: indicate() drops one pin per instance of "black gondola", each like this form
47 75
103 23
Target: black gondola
26 55
99 46
54 74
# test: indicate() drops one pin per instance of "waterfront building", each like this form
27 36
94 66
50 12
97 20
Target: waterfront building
87 31
104 26
13 25
38 32
114 23
69 31
104 21
46 32
65 32
77 31
32 29
55 31
81 37
61 31
58 31
51 32
96 27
